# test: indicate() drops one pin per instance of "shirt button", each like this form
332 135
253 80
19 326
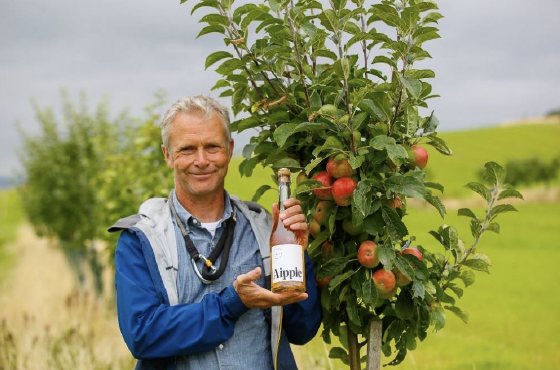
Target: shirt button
221 346
195 221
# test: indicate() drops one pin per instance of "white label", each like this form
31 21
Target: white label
287 263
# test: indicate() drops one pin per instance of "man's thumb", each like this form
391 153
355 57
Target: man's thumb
250 276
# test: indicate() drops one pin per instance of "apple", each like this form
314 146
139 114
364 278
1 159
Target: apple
323 282
343 189
325 179
384 280
396 203
322 211
413 251
390 294
401 279
350 228
340 168
420 156
327 249
301 177
314 228
367 254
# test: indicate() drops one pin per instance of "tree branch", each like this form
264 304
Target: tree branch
298 56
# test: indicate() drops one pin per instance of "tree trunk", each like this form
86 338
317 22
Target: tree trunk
374 345
353 349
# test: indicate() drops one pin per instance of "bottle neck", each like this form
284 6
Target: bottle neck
283 194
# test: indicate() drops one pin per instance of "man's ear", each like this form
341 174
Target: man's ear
231 145
167 157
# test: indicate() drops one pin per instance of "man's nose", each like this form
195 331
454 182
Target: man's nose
201 160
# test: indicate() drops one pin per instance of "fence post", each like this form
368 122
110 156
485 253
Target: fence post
374 345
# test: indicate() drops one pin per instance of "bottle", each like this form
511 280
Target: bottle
287 258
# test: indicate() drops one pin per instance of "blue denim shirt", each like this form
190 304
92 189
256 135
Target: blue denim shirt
249 347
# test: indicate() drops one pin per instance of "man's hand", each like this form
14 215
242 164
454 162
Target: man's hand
253 296
293 219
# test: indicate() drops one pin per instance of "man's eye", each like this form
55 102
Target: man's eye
213 148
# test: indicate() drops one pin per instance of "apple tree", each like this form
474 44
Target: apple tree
334 91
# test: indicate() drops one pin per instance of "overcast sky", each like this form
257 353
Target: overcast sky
497 60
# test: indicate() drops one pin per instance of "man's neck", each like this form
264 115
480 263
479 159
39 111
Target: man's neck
207 208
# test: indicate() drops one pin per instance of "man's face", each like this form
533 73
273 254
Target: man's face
198 154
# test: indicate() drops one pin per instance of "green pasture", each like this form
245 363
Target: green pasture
10 216
472 149
513 310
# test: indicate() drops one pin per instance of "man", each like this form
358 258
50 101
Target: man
173 312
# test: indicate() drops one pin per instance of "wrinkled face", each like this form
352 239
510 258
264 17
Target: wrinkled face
198 154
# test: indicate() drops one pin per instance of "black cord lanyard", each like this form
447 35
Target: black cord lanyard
209 271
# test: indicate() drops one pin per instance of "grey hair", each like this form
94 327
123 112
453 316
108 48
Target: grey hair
199 104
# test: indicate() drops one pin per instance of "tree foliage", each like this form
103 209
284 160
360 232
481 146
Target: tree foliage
340 79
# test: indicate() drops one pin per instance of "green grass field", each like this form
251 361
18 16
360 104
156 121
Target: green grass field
10 217
472 149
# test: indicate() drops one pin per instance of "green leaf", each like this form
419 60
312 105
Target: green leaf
229 66
433 17
329 110
467 212
286 162
247 123
209 3
313 164
414 87
510 193
480 189
211 29
468 277
404 306
338 279
282 133
411 120
214 57
215 19
356 162
405 266
494 173
502 208
397 229
477 264
418 289
332 267
438 318
352 309
434 185
314 248
361 200
405 185
386 254
246 167
410 16
369 292
248 150
436 202
369 106
381 142
430 125
384 59
386 14
494 227
340 353
260 191
440 145
463 315
374 224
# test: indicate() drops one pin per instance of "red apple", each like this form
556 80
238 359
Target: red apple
396 203
350 228
322 211
413 251
325 179
323 282
340 168
401 279
390 294
384 280
314 228
327 249
343 189
420 156
367 254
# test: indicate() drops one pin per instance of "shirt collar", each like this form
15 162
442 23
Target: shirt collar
187 218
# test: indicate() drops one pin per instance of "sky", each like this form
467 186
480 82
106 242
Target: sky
497 60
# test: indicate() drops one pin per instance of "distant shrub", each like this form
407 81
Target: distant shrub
531 171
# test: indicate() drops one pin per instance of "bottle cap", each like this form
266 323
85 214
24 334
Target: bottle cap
284 175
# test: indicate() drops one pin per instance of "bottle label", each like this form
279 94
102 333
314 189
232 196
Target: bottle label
287 263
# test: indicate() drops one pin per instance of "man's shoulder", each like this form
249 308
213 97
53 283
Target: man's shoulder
249 208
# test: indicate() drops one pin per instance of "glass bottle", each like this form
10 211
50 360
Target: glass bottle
287 257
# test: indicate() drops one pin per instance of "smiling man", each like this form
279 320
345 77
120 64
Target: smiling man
191 292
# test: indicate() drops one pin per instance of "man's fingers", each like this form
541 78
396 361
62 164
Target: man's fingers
248 278
299 218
